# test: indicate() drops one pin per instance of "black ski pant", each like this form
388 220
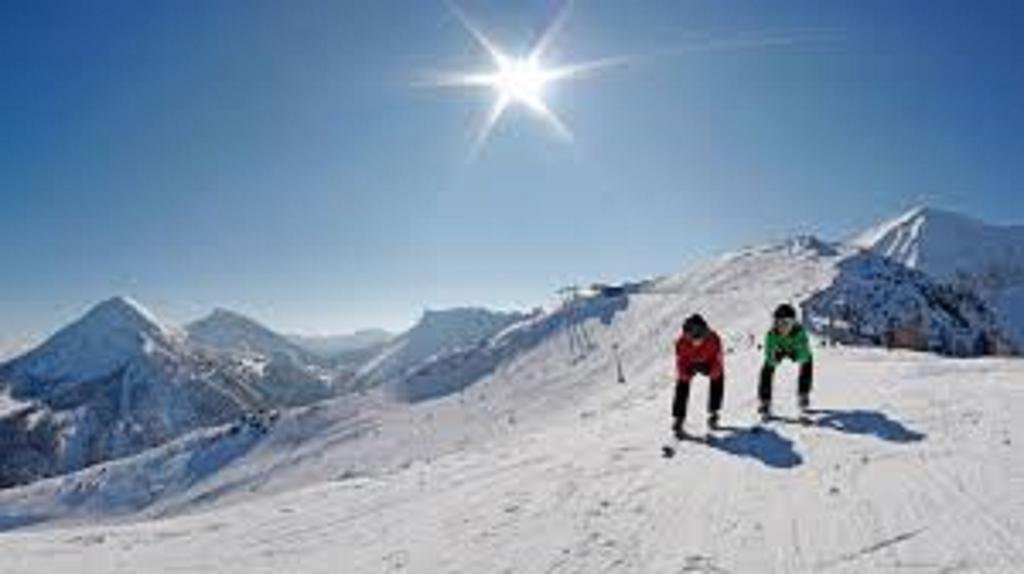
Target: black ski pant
682 397
804 382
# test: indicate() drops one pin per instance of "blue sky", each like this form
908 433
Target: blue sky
275 157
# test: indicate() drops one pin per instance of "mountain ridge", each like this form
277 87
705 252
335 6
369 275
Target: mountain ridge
958 249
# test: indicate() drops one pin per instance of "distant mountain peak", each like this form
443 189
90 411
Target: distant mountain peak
225 313
227 317
944 243
909 228
120 320
120 313
228 330
106 337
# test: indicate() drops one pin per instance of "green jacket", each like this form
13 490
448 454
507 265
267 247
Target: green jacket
796 346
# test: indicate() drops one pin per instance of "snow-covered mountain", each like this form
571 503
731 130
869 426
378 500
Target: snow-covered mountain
288 374
436 333
94 346
959 249
114 383
947 245
877 301
229 331
539 460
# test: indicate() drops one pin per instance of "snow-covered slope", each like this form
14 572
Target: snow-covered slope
545 463
455 369
436 333
110 385
149 481
959 249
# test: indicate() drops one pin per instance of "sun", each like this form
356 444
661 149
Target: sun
515 80
521 80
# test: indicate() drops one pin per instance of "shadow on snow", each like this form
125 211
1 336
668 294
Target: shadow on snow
767 446
763 444
865 422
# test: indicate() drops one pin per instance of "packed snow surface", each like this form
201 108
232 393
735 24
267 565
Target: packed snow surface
913 465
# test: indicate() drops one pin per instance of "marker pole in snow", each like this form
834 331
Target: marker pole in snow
618 363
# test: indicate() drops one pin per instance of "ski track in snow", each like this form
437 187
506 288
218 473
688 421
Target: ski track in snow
592 494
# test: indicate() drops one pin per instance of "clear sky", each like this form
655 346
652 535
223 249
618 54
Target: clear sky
276 158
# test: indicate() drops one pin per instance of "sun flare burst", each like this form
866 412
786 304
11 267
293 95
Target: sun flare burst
515 80
522 80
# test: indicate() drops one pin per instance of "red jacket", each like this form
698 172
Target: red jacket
705 356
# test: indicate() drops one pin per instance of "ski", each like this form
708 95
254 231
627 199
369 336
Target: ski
802 419
671 448
805 418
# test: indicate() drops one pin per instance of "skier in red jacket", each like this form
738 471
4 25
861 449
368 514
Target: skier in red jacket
698 350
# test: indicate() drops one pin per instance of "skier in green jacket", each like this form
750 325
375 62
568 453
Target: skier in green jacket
787 339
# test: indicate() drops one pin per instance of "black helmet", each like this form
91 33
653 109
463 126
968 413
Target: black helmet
695 326
784 311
